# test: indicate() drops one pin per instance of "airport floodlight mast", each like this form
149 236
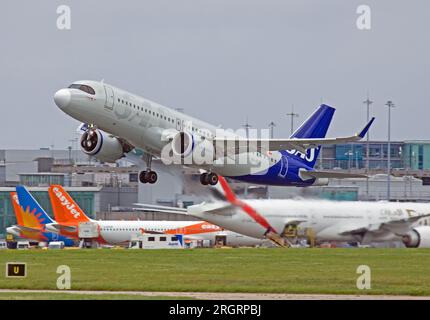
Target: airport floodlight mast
389 105
247 126
272 125
367 102
293 115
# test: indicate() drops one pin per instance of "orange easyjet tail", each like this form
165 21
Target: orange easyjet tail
65 209
16 208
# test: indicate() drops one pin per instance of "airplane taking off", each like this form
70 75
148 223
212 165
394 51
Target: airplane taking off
343 221
68 215
32 219
116 123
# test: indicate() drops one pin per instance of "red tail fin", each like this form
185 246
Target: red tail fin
65 209
16 208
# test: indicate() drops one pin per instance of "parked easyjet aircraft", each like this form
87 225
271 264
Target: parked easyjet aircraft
345 221
68 215
32 219
121 121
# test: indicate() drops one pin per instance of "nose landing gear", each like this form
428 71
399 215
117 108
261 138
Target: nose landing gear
208 178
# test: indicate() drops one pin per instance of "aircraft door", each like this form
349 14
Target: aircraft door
178 124
220 240
110 98
284 166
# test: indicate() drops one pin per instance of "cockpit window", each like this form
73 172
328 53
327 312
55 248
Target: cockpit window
82 87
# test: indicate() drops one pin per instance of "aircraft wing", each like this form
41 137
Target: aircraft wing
306 175
396 226
237 145
218 207
157 208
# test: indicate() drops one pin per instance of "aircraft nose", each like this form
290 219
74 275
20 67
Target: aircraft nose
62 98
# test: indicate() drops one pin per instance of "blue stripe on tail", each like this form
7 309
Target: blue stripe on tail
315 126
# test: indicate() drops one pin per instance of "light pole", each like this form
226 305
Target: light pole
246 126
389 105
272 125
367 102
292 115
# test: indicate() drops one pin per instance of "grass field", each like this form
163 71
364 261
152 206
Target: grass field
277 270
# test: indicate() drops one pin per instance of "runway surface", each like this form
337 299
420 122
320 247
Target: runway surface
229 295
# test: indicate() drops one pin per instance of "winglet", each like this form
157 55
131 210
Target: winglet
366 128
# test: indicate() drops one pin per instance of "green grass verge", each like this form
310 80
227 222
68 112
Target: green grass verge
277 270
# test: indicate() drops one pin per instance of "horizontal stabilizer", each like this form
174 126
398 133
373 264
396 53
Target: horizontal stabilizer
29 229
306 175
59 227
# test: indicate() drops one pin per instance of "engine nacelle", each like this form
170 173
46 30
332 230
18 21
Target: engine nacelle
101 145
193 149
418 237
320 182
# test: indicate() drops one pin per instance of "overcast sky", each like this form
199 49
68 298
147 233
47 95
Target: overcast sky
220 60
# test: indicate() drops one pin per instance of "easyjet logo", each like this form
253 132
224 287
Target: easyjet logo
210 227
66 203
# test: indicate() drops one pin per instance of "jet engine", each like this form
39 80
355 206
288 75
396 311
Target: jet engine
320 182
418 237
197 149
103 146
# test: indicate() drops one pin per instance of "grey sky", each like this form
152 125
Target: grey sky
219 60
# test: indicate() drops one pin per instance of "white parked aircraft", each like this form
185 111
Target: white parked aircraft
343 221
120 122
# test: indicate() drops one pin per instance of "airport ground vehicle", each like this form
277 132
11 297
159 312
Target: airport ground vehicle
56 245
157 241
22 245
117 122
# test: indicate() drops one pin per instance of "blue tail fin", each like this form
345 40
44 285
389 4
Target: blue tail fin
30 205
315 126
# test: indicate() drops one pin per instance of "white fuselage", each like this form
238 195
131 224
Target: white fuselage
144 124
121 232
329 220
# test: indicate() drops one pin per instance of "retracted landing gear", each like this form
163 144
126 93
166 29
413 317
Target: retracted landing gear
148 176
209 178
